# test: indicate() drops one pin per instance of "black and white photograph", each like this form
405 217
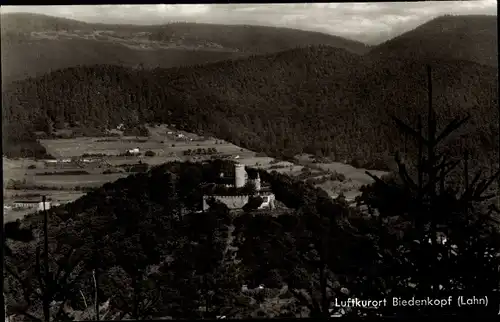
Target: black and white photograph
250 161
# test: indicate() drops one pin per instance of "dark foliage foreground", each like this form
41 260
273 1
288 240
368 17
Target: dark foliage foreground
135 248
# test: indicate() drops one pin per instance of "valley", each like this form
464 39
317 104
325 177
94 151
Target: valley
100 160
137 40
230 100
212 171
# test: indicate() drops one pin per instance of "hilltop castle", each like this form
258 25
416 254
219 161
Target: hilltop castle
239 180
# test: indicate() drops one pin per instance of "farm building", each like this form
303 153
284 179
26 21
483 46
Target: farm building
47 162
239 181
31 204
54 162
134 151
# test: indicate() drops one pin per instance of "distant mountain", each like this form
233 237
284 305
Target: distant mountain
28 22
473 38
24 60
321 100
33 44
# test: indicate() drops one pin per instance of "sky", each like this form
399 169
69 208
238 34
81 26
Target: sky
371 23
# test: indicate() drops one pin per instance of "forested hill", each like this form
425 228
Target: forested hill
34 44
151 260
469 37
140 246
316 99
28 22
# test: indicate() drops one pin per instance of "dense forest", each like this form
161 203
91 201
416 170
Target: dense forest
42 56
320 100
138 248
470 37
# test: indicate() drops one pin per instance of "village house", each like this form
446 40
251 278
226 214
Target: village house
134 151
31 204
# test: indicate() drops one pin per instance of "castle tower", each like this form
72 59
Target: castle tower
257 183
239 175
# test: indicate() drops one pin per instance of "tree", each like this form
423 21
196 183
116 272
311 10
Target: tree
254 202
430 232
42 285
249 188
356 129
13 232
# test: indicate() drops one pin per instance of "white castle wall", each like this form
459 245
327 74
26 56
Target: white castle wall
232 202
237 202
268 201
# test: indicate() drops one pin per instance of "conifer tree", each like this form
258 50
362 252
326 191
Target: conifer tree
446 239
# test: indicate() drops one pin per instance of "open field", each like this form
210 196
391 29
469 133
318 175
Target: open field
92 180
153 161
67 148
355 174
56 196
169 145
355 177
13 215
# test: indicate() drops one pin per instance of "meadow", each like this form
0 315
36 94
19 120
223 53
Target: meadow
106 164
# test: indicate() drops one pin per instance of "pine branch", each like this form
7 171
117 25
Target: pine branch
38 271
451 127
408 130
486 184
26 286
403 173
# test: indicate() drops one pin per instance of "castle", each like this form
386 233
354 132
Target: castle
239 181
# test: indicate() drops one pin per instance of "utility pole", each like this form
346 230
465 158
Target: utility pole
498 179
431 140
4 240
46 307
